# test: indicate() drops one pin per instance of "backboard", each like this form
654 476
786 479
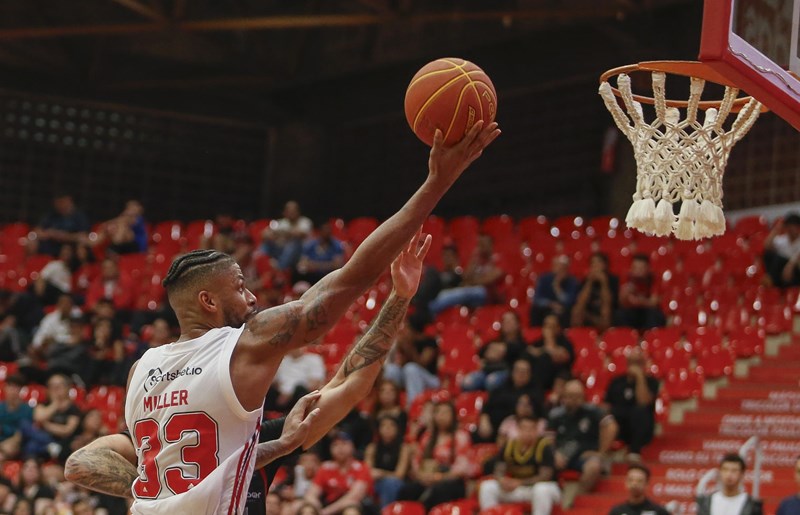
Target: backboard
752 43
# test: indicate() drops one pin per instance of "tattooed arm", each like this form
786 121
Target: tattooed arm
359 369
106 465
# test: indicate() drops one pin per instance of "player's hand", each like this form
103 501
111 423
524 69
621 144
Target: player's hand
407 266
298 423
446 164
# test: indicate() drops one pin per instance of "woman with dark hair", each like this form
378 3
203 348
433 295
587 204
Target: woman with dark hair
441 464
388 458
107 354
497 355
22 507
388 404
31 485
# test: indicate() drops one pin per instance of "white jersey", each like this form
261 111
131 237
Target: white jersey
194 441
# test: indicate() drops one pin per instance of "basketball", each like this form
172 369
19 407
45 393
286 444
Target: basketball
449 94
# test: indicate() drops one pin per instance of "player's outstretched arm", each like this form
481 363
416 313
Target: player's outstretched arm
304 321
106 465
359 369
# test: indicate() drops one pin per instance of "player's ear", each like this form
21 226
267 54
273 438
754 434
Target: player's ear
207 301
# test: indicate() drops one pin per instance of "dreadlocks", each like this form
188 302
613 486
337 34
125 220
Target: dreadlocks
192 266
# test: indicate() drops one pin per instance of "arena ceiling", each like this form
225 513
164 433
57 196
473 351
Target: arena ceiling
225 52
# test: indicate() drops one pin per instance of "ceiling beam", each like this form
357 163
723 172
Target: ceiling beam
144 10
303 22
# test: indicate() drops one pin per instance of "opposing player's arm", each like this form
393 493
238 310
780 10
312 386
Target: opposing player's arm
305 320
295 431
106 465
361 366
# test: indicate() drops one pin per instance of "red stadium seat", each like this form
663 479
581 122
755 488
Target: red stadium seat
533 227
532 334
404 508
568 227
683 384
600 226
747 342
435 226
457 315
486 320
582 337
661 338
588 361
256 230
167 230
505 509
469 406
197 230
619 338
463 507
457 336
749 225
359 228
703 338
669 360
715 362
498 227
458 361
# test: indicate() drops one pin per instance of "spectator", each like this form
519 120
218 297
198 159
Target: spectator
434 281
583 435
283 240
64 225
631 399
70 358
127 233
509 428
341 483
732 499
308 465
782 252
791 504
524 472
555 293
227 230
480 284
8 498
320 256
30 484
11 339
597 298
441 464
274 503
55 279
299 373
498 355
503 400
91 428
638 297
388 460
14 414
417 358
637 504
108 363
111 285
23 507
388 405
55 423
55 326
551 355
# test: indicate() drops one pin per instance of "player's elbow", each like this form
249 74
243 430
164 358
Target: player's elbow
74 466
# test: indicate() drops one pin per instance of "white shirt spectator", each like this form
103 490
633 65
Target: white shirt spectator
302 225
54 327
58 274
784 247
302 370
723 505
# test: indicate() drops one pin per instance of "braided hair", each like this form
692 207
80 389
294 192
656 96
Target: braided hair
192 266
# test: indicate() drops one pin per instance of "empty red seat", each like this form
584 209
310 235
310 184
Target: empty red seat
198 230
752 224
256 229
457 336
568 227
469 406
619 338
715 362
747 341
505 509
599 226
498 227
533 227
404 508
463 507
459 361
588 361
683 384
359 228
167 230
582 337
661 337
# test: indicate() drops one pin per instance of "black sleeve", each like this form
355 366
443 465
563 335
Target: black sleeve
271 430
617 510
653 385
548 458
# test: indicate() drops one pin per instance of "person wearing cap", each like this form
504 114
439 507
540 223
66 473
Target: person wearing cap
343 483
782 252
13 411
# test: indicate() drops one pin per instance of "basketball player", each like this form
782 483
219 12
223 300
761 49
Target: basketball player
194 407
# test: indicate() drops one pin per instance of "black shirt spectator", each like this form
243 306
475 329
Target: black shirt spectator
638 298
552 355
576 432
503 401
646 507
597 298
65 224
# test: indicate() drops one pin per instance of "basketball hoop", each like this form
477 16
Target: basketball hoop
678 160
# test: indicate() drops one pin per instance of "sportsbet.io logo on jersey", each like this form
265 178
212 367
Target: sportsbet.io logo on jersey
156 376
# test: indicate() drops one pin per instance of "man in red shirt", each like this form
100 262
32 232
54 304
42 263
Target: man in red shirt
343 484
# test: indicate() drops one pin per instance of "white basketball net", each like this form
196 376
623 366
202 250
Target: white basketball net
678 160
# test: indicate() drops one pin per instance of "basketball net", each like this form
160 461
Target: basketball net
678 160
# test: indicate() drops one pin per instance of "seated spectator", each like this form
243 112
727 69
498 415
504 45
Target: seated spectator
55 326
503 400
341 483
555 293
509 427
64 225
11 339
31 486
283 239
388 460
415 364
388 404
111 285
227 231
70 358
791 505
55 279
636 484
597 298
320 256
14 414
583 436
91 428
299 373
631 399
23 507
274 503
308 465
552 355
524 472
434 281
8 497
732 499
498 355
108 363
127 233
480 284
638 298
441 465
54 423
782 252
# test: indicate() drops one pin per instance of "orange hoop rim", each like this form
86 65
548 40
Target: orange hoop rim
692 69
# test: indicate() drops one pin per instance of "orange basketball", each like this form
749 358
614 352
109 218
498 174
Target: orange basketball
449 94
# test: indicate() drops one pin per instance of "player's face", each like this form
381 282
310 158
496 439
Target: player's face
636 483
730 474
238 303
